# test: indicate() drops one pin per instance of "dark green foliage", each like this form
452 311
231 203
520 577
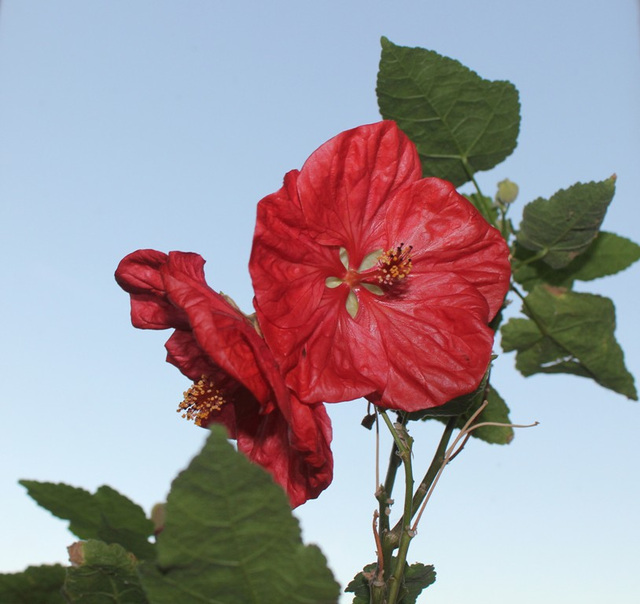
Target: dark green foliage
460 123
606 255
417 578
230 537
465 406
569 332
496 412
36 585
103 574
105 515
563 227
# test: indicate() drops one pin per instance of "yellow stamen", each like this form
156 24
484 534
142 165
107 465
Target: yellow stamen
394 265
201 401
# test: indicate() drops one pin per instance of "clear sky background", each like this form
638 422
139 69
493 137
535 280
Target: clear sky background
159 124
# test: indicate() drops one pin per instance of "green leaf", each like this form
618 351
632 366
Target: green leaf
359 585
569 332
35 585
563 227
417 578
496 411
459 122
608 254
103 574
106 515
230 537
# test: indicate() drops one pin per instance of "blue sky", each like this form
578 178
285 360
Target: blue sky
126 125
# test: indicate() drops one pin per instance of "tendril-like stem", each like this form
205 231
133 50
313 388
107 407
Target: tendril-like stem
455 448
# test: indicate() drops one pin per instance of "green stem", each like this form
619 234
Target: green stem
384 501
505 228
404 451
541 254
471 175
392 470
432 472
531 313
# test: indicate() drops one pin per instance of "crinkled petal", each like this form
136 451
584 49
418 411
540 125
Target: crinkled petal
287 255
435 345
139 274
213 338
415 344
449 235
357 171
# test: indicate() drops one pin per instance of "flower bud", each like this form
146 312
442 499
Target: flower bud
507 192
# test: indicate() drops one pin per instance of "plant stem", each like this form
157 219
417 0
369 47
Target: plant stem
471 175
403 444
537 256
384 500
392 470
429 477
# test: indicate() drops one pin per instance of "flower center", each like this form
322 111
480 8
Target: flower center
378 270
201 401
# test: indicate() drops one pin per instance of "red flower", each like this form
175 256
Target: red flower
370 280
237 382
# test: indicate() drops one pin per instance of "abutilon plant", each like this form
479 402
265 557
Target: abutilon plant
373 277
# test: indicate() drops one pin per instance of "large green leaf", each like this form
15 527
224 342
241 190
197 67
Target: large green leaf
459 122
106 515
35 585
608 254
230 537
561 228
102 574
569 332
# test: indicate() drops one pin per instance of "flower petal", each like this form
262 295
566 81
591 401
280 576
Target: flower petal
449 235
215 339
357 170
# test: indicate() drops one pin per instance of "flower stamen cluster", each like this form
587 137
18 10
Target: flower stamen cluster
201 401
394 265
